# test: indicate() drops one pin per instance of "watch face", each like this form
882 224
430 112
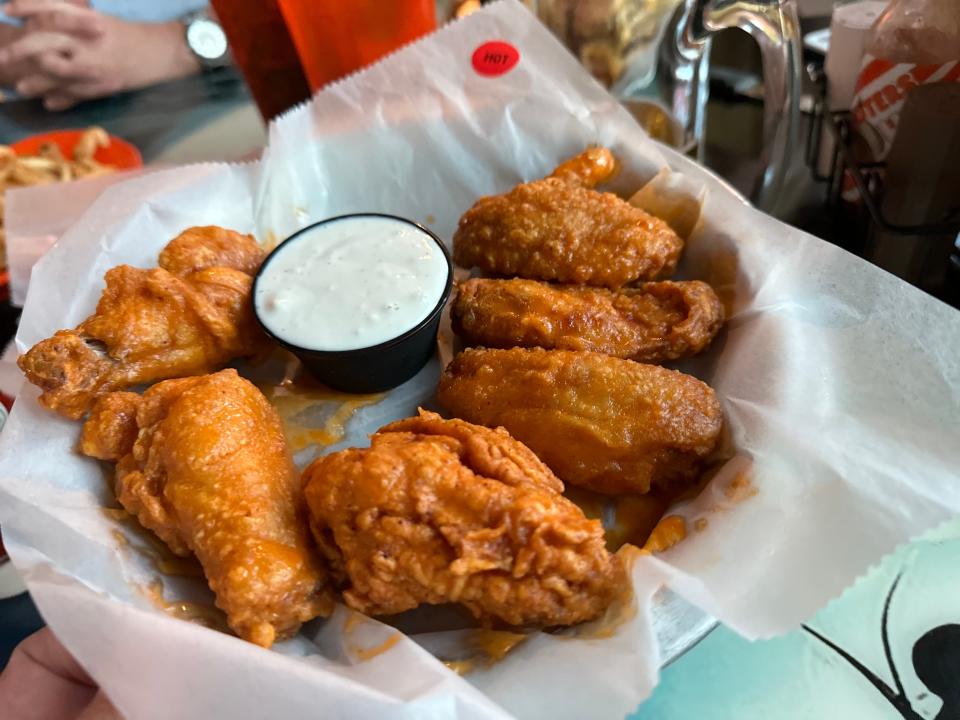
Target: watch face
207 39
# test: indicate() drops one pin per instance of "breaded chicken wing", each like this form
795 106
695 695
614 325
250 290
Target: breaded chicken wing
588 169
208 470
210 246
440 511
151 325
656 322
111 428
610 425
560 229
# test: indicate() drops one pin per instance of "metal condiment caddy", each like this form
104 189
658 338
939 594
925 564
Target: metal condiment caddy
853 222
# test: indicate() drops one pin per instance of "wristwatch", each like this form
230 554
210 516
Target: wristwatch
206 40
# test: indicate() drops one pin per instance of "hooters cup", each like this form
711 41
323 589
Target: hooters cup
912 43
881 89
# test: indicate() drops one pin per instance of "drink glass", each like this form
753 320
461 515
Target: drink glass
264 52
333 38
654 54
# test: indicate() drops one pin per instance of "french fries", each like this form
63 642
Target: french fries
49 165
88 144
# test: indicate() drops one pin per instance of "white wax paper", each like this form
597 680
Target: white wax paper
839 383
36 217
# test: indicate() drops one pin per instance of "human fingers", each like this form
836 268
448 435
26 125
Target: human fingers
42 84
42 680
46 649
19 7
37 84
59 100
58 16
67 95
100 708
66 67
33 44
9 34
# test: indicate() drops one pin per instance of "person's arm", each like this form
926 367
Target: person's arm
76 53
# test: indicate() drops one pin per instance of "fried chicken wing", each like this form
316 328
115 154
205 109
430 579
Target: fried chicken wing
560 229
440 511
588 169
610 425
111 429
208 470
151 325
199 248
656 322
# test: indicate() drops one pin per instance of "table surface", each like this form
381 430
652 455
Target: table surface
797 676
155 119
212 118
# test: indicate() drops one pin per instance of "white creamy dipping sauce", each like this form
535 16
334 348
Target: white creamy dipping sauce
350 284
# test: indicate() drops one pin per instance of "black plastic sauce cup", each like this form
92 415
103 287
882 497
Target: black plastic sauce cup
378 367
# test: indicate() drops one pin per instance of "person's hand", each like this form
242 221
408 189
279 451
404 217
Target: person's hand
43 681
74 52
11 73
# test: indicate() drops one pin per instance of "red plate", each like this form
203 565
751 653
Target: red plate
119 153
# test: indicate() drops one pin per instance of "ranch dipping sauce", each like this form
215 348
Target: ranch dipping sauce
350 283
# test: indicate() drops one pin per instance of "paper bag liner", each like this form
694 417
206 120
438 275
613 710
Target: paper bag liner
839 383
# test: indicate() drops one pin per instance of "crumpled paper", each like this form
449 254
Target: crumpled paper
840 386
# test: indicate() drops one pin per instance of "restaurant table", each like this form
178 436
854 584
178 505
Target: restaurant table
799 676
724 676
158 120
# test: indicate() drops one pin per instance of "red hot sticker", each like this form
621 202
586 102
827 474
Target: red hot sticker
495 58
